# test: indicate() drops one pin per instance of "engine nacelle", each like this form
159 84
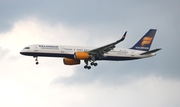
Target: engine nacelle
81 55
68 61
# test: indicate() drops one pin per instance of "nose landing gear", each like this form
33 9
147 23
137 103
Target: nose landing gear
36 60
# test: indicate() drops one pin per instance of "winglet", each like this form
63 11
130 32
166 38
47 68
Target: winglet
123 37
104 49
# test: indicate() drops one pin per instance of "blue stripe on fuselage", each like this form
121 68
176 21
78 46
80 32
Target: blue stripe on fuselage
112 58
116 58
47 54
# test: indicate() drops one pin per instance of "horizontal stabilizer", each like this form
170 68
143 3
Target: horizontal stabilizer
149 52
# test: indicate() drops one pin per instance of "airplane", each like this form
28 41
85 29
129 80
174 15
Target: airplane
72 55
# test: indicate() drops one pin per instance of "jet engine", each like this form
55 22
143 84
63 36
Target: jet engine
81 55
68 61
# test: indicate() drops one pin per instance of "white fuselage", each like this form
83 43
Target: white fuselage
117 54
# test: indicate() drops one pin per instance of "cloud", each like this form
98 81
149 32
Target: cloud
32 31
113 15
22 82
3 53
149 91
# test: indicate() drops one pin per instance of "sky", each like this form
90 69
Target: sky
150 82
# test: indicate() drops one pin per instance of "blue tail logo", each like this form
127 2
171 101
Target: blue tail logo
145 42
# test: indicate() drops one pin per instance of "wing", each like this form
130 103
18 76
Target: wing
98 52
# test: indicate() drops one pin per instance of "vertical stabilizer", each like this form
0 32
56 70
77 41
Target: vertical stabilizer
145 42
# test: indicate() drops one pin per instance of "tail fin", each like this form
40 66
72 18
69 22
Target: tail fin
145 42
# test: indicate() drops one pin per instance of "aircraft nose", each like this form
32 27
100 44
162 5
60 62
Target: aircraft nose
21 52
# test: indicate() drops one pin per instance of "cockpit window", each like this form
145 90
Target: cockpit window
27 48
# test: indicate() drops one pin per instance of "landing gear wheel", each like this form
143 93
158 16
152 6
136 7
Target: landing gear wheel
92 63
95 64
87 67
37 63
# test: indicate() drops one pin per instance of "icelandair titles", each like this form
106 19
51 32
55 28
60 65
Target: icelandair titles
142 47
48 47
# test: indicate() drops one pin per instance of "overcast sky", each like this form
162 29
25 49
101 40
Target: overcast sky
151 82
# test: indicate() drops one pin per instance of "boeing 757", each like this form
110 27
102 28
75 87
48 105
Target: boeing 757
73 55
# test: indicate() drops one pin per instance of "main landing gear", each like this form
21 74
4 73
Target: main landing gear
89 67
93 64
36 60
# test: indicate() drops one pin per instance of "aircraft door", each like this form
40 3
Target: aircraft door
62 49
36 48
132 54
